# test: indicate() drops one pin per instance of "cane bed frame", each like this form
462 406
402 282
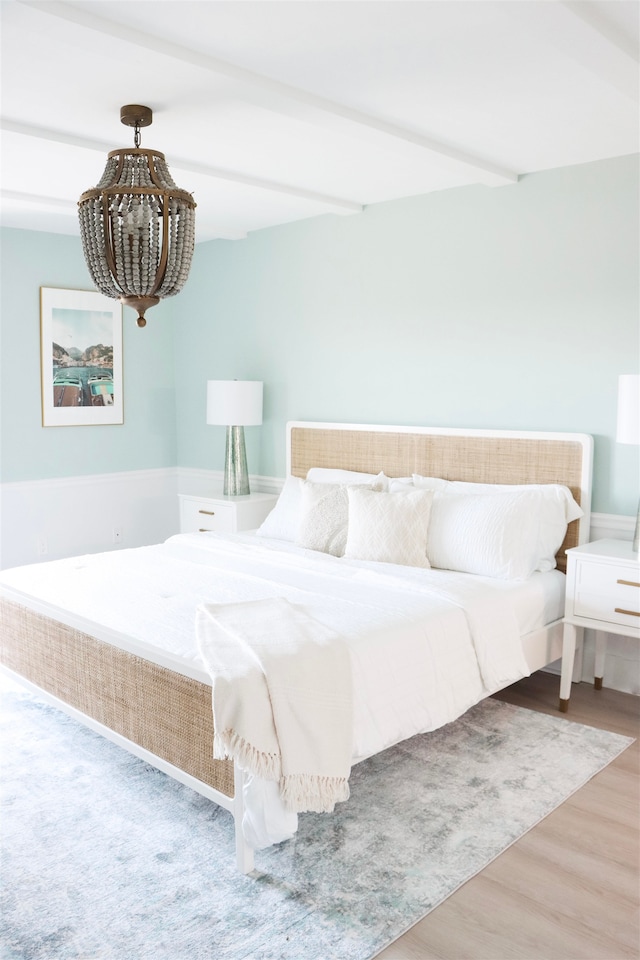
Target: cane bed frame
164 716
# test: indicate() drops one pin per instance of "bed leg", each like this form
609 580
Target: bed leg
244 853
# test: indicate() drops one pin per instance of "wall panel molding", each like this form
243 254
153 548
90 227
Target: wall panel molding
67 516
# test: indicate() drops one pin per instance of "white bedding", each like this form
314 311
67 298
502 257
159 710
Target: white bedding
373 605
424 645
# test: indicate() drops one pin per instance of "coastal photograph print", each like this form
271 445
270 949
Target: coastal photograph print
81 358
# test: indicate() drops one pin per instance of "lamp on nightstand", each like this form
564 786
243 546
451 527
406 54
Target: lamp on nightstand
629 423
235 404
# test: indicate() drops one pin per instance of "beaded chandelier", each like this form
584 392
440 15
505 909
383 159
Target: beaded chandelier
137 227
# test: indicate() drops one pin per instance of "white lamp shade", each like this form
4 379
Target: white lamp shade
628 430
234 403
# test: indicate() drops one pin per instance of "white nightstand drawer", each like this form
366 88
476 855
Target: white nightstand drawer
612 578
224 514
201 514
625 613
607 591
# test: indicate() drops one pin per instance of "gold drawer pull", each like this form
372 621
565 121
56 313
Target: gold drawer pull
208 513
628 583
204 530
628 613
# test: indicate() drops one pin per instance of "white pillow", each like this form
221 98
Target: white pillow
284 520
552 491
388 527
331 475
557 508
489 535
403 484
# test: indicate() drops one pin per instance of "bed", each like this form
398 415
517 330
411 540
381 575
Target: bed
156 700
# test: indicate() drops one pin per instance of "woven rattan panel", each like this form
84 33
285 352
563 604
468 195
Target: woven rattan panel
166 713
470 458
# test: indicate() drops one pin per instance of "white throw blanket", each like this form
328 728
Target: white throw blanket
282 698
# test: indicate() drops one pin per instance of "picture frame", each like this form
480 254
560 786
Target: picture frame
80 358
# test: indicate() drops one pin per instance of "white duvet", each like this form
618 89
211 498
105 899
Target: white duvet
424 645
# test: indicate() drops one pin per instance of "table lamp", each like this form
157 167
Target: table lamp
235 404
628 430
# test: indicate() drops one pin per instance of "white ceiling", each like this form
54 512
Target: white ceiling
270 112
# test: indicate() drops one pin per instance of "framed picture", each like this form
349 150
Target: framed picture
81 358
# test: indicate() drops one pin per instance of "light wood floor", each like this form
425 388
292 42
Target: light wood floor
569 889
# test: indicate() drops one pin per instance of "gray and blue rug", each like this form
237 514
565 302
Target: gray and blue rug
105 858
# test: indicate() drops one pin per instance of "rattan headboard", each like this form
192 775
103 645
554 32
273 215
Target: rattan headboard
480 456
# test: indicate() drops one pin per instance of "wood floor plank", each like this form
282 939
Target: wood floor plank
570 888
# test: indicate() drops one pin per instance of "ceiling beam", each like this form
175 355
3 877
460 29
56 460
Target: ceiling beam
585 36
39 200
220 232
284 98
328 203
595 17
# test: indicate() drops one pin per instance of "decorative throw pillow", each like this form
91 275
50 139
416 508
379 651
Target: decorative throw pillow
389 528
324 515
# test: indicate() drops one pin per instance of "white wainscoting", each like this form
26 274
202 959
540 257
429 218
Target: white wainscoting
47 519
65 517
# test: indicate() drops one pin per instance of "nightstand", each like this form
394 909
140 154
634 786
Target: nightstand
222 514
603 593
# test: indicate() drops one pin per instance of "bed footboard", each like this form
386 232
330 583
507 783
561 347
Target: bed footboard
163 712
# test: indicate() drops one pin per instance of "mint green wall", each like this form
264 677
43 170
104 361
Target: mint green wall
513 307
30 451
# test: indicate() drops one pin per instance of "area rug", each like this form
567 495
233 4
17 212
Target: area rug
105 857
